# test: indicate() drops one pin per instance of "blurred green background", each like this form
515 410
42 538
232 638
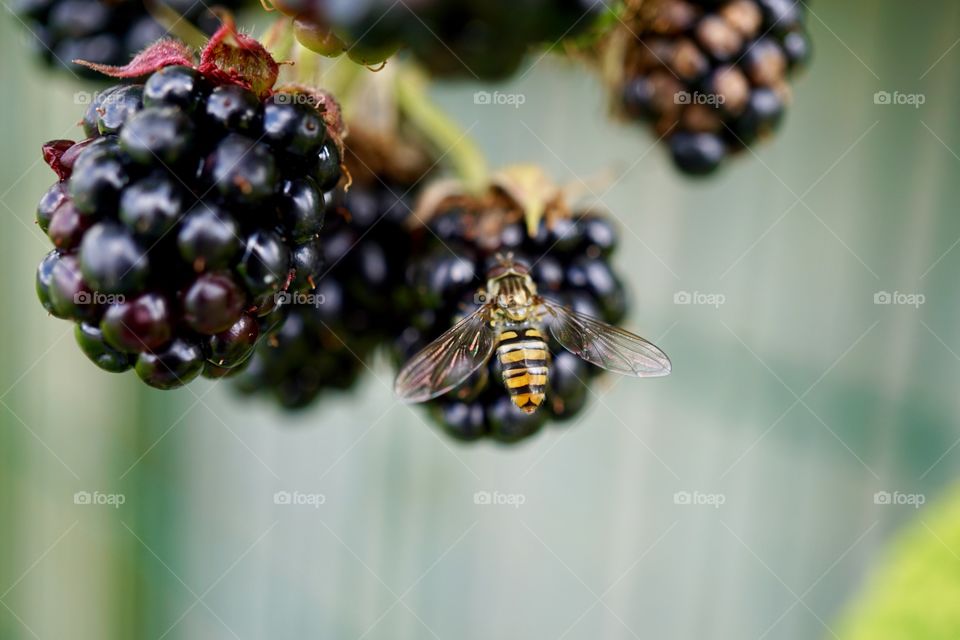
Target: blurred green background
792 403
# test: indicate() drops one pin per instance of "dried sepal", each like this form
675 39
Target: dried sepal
234 58
53 155
162 53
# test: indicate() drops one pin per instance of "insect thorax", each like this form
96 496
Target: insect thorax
513 296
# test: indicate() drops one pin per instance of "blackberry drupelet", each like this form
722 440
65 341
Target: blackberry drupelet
711 76
485 39
61 31
174 228
330 335
569 255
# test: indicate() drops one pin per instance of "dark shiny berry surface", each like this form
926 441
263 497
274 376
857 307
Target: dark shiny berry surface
212 303
171 367
174 86
181 226
112 260
243 171
158 135
234 109
90 340
265 263
143 323
208 237
152 206
296 128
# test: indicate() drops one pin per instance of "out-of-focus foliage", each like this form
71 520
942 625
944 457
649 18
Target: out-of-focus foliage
915 594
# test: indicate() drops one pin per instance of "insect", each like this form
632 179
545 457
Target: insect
511 321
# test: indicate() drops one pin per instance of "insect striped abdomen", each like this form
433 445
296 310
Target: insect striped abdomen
522 352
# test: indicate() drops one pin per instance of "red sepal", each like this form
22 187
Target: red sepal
162 53
234 58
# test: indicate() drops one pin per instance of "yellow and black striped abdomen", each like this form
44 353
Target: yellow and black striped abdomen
522 352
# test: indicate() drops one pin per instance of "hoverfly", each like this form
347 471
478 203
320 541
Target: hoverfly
511 321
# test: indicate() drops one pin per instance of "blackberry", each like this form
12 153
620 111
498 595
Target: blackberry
101 31
329 336
172 223
568 255
709 75
487 39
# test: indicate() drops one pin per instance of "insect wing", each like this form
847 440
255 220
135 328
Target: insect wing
449 360
604 345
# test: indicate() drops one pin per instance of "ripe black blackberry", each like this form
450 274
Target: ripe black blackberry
192 204
710 75
477 38
329 336
102 31
569 255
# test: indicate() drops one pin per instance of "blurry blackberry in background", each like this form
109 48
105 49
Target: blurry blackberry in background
329 337
102 31
179 220
486 39
569 257
711 75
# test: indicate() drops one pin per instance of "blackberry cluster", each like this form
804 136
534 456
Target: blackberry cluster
570 263
187 212
483 38
102 31
327 339
711 75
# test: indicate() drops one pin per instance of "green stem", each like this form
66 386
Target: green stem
444 133
280 40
